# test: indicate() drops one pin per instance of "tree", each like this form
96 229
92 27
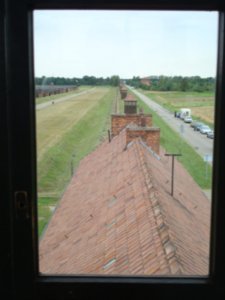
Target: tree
114 80
184 85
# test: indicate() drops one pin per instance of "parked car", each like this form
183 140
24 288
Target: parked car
197 125
188 120
204 129
193 124
210 134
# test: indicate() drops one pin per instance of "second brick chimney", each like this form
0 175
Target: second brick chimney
119 122
149 135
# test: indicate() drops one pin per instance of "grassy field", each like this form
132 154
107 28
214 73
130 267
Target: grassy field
172 142
55 120
66 133
201 104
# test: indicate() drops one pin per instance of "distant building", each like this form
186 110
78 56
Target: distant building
146 81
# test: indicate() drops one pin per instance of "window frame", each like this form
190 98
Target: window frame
19 167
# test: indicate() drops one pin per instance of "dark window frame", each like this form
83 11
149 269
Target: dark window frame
20 268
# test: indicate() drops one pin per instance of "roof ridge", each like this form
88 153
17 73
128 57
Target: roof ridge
162 228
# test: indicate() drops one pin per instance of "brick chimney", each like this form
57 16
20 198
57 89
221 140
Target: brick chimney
137 125
119 122
123 92
149 135
130 104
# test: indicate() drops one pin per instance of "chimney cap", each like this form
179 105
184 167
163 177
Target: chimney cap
123 88
134 127
130 97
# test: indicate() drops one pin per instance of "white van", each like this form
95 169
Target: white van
185 112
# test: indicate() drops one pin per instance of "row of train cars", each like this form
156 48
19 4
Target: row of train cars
48 90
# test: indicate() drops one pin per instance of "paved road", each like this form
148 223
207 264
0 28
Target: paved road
202 144
61 99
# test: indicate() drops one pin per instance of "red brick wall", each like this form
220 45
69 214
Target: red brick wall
118 122
151 136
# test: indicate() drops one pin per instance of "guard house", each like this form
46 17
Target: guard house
130 104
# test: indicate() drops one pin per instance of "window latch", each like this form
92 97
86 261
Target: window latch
22 205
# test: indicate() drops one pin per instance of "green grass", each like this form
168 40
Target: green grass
55 168
177 100
172 142
45 209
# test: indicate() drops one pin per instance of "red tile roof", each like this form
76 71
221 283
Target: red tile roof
117 217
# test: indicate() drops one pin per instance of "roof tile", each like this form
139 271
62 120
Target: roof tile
117 217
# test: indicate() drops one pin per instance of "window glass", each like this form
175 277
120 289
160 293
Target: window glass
125 119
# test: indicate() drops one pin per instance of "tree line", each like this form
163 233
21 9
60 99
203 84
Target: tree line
85 80
158 83
176 83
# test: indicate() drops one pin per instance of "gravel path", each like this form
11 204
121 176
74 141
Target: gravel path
61 99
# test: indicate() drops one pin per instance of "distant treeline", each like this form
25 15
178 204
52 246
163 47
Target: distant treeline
158 83
85 80
176 83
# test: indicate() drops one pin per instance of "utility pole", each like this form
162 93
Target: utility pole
109 135
172 173
72 165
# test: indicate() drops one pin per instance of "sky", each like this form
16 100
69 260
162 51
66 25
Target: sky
125 43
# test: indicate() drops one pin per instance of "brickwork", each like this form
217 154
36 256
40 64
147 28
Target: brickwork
119 122
151 136
130 104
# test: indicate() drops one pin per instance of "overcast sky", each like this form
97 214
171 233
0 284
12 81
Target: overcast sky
125 43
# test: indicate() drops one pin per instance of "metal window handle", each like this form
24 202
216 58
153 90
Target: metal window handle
22 205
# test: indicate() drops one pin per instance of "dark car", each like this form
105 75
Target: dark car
197 125
194 123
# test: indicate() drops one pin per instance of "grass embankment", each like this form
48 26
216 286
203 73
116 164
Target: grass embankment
201 104
173 143
81 137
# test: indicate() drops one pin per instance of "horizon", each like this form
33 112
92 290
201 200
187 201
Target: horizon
150 76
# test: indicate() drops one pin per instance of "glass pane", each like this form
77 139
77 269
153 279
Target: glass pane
124 187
